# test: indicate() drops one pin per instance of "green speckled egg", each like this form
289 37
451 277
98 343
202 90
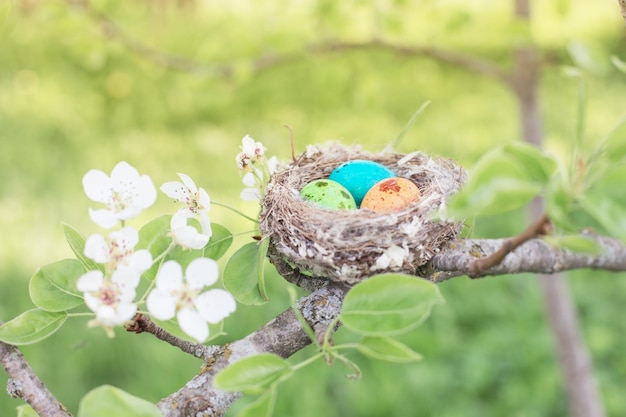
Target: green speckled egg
328 194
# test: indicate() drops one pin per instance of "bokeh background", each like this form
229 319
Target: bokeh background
173 86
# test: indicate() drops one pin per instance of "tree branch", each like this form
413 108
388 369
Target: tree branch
269 60
479 266
25 384
622 5
283 336
535 256
471 63
142 323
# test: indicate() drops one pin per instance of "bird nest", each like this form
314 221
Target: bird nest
350 245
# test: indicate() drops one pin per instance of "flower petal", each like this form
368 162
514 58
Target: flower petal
201 272
176 190
170 277
161 306
205 223
191 186
247 145
127 280
126 237
250 194
249 179
215 305
96 248
125 312
272 164
204 201
103 218
97 186
146 192
122 173
94 303
90 281
186 236
141 260
192 324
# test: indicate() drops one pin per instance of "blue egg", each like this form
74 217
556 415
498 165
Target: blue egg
359 176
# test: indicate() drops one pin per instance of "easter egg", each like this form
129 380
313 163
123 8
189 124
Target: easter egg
359 176
391 194
328 194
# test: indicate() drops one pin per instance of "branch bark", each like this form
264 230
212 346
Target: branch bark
535 256
622 5
283 336
25 384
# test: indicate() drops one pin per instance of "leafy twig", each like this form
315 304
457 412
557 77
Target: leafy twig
142 323
535 256
480 266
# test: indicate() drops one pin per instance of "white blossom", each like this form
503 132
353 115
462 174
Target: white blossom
256 180
185 235
125 194
196 200
118 250
180 296
110 298
251 152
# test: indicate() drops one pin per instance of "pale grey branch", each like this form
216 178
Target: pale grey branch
533 256
283 336
25 384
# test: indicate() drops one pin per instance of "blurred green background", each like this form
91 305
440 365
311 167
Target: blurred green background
85 85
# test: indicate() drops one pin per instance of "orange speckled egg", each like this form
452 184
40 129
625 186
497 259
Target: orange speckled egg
391 194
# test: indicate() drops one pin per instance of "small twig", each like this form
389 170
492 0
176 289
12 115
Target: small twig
293 151
142 323
269 60
480 266
622 5
25 384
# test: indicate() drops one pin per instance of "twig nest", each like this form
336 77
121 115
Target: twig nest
350 245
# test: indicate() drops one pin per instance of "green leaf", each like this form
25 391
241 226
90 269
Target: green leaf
77 243
53 287
243 274
538 165
606 202
499 182
221 239
588 56
389 304
107 401
579 244
254 374
387 349
261 407
619 64
31 327
154 236
494 197
26 410
559 202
